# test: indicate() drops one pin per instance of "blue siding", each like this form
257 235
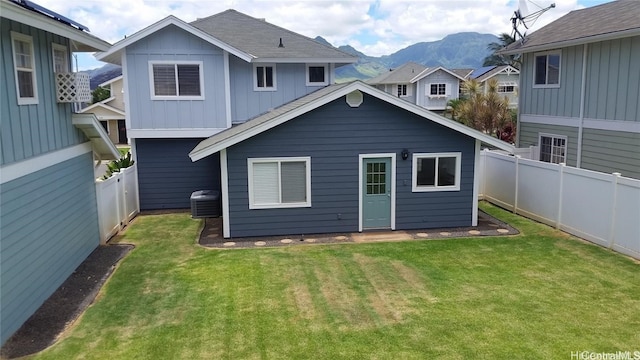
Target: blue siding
333 136
175 44
49 225
31 130
247 103
166 175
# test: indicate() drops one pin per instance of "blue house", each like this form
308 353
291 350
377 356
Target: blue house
48 212
188 81
346 158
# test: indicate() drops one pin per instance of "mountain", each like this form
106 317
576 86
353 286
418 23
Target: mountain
102 74
461 50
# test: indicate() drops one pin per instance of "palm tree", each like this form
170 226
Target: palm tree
504 39
453 108
485 111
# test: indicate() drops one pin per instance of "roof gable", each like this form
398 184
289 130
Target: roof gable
497 70
403 74
613 20
432 70
113 55
262 40
316 99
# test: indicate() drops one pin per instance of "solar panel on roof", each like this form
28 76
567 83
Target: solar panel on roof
43 10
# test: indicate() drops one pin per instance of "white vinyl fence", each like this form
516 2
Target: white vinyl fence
602 208
117 201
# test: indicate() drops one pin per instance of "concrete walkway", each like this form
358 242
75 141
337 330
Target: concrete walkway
211 235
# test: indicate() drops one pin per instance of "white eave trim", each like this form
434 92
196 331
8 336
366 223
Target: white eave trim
357 85
304 60
169 20
17 13
100 141
573 42
103 105
109 82
430 71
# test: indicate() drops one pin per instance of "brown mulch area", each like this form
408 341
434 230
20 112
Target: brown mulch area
64 306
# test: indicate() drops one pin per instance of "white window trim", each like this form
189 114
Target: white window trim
28 39
547 86
553 136
60 47
280 205
255 77
428 90
326 75
175 97
423 188
108 127
408 92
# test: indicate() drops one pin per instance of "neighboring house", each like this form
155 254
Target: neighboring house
185 81
579 89
48 211
436 86
111 111
397 82
507 77
346 158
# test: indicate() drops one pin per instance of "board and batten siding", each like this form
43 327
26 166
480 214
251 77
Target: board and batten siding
333 136
611 151
31 130
174 44
424 88
43 241
529 133
247 103
167 176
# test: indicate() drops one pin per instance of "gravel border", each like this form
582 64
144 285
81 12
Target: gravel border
66 304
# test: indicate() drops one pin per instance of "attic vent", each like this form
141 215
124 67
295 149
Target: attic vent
205 203
354 98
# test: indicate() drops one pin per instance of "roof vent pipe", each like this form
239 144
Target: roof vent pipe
281 45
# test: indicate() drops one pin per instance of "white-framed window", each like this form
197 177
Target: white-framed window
24 68
105 126
281 182
506 88
60 58
172 80
546 69
553 148
317 74
264 77
437 89
436 171
402 90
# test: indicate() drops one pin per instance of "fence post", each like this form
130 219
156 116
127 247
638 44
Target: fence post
561 167
100 203
614 199
515 198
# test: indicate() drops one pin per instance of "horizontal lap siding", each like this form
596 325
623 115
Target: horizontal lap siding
528 134
333 136
167 176
611 151
49 225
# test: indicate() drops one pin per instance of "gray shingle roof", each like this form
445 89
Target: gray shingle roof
615 18
261 39
403 74
491 73
463 73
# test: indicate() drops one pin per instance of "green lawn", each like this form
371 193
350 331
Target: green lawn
538 295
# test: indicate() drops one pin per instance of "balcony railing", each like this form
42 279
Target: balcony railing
73 87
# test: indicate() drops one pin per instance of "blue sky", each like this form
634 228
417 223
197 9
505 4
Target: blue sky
375 27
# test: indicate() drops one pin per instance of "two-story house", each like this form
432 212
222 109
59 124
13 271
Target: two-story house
580 89
48 211
435 86
507 77
398 81
110 111
187 81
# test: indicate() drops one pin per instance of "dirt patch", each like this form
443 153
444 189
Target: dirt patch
66 304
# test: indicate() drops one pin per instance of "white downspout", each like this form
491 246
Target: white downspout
583 90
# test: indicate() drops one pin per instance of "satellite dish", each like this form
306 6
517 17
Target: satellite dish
526 19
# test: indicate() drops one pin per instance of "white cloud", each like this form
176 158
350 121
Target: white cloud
373 27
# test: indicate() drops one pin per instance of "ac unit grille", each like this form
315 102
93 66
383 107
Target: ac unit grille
205 203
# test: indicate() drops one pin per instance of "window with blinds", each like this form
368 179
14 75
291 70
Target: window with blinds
177 80
279 182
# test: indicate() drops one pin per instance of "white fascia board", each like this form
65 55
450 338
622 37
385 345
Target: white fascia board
304 60
109 82
573 42
100 140
173 133
430 71
87 42
111 55
357 85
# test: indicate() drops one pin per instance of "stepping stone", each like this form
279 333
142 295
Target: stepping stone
229 243
503 231
259 243
312 240
422 235
444 233
474 232
213 235
340 238
286 241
